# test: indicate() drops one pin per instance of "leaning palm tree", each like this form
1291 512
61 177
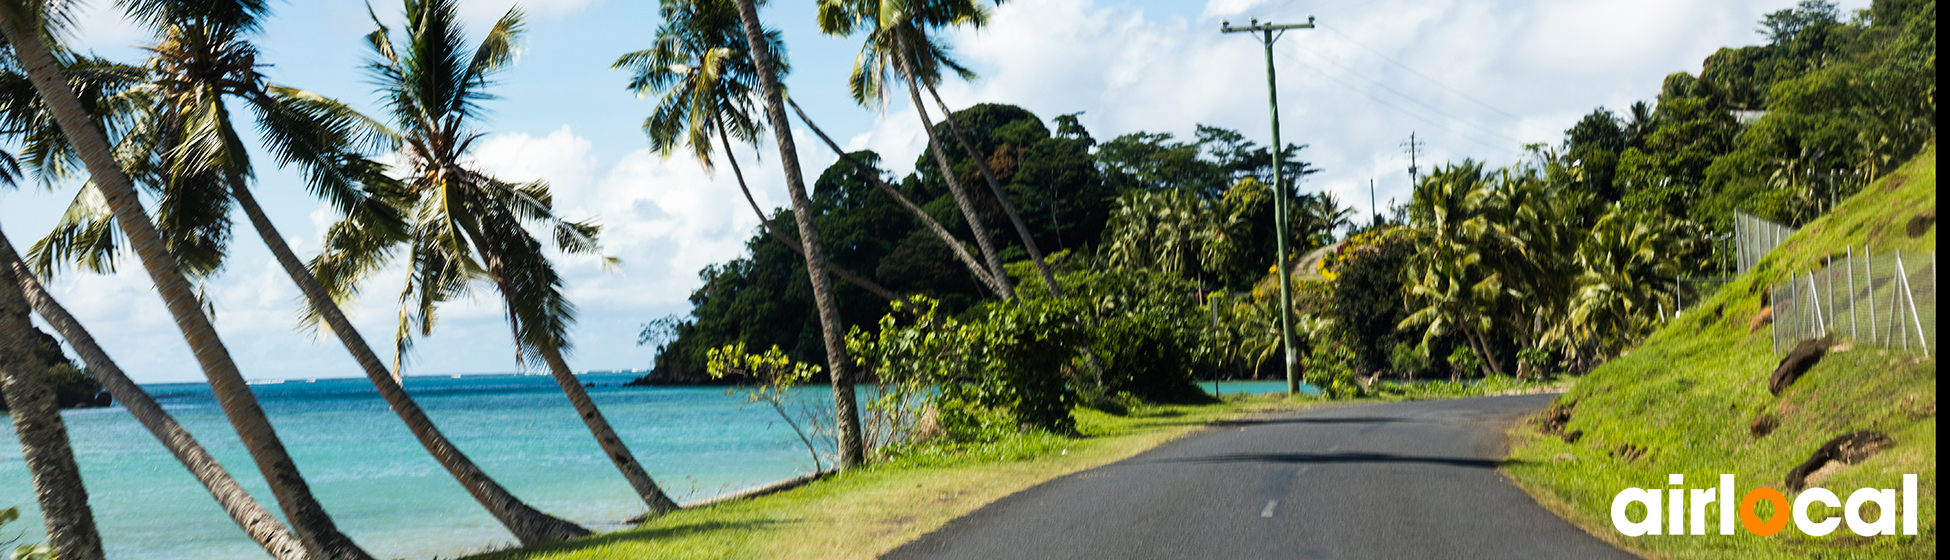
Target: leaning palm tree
898 44
467 225
250 515
43 438
845 409
700 68
192 152
28 26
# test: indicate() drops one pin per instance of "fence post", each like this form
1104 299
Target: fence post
1869 272
1814 293
1831 291
1854 320
1909 294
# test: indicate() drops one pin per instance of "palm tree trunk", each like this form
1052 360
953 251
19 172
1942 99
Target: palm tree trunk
640 480
529 525
314 526
974 267
995 186
831 266
251 516
981 232
852 447
43 438
619 454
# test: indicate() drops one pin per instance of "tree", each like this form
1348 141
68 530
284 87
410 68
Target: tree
468 225
26 25
898 43
250 515
43 437
852 445
704 75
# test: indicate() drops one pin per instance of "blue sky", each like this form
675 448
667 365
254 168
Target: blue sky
1473 79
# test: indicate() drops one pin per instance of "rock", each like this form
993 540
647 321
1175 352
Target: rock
1920 223
1573 436
1565 458
1552 421
1629 452
1798 361
1846 449
1762 319
1763 424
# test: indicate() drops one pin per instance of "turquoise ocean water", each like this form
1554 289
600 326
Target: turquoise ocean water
384 490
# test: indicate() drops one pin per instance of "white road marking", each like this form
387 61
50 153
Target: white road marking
1303 470
1268 512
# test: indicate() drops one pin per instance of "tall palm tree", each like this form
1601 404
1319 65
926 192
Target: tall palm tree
898 43
700 68
845 409
1449 284
43 438
975 268
1001 197
25 116
26 25
203 57
468 225
250 515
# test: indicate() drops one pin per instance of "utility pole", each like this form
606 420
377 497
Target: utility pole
1412 146
1374 212
1267 37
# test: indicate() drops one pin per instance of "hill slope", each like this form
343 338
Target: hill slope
1685 402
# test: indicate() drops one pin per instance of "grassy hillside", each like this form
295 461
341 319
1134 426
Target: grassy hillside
1684 401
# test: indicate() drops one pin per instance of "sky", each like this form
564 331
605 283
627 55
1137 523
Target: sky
1476 79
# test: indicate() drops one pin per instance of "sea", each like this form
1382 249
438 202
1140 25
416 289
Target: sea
387 494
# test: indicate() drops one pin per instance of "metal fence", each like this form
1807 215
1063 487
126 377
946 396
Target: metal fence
1753 238
1886 300
1689 291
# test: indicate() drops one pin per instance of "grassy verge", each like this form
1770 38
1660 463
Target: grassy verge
1686 400
866 513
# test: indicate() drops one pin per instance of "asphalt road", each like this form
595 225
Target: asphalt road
1395 480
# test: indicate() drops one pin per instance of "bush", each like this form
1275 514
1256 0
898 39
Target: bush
1329 365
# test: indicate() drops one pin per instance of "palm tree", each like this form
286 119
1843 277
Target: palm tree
961 253
43 438
469 225
1625 259
1448 283
1001 197
251 516
845 410
26 25
195 152
898 44
701 69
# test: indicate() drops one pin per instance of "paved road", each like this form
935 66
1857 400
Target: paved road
1396 480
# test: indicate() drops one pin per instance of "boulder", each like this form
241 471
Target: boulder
1804 356
1761 319
1920 223
1846 449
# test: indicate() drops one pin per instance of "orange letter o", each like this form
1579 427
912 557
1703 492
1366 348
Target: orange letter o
1773 524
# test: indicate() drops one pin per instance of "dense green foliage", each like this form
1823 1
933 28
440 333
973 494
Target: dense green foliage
1693 399
73 388
1206 196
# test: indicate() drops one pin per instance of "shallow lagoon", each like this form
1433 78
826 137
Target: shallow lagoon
388 494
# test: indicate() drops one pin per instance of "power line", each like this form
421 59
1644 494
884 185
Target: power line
1418 73
1385 103
1413 99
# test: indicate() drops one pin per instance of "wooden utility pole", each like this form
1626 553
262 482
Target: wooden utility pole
1266 37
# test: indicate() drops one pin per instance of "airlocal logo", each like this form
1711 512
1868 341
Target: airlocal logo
1677 499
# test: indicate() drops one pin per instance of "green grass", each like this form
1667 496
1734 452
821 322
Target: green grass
1689 394
869 512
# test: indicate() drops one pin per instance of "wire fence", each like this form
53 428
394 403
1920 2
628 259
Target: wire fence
1689 291
1753 238
1886 300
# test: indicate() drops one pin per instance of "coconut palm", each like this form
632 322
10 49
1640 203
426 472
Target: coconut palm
467 225
28 25
700 68
898 44
203 57
24 116
845 410
975 268
1448 283
1627 264
43 438
250 515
